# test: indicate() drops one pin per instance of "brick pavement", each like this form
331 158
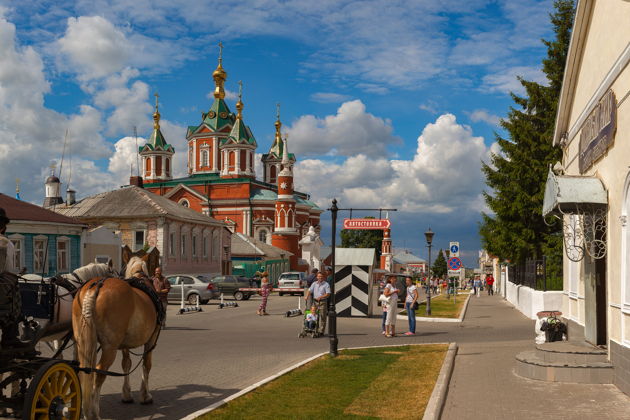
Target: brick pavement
484 386
204 357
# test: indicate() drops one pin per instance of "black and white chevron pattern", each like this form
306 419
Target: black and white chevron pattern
351 290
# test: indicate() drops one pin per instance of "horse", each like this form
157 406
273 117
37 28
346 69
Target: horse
113 314
61 323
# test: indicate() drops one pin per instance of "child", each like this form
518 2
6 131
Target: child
311 318
265 290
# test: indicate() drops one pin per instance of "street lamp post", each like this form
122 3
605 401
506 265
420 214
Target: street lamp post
429 237
332 313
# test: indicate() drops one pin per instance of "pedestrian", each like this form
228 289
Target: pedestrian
384 318
477 286
410 305
10 296
490 283
265 290
391 292
162 287
310 279
320 292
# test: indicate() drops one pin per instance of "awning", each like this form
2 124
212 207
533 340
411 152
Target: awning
570 194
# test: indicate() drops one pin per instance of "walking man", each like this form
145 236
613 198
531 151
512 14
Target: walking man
490 283
320 291
162 287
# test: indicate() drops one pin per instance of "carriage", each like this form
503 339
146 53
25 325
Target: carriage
34 386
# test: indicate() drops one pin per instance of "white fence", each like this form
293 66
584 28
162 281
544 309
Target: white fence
530 301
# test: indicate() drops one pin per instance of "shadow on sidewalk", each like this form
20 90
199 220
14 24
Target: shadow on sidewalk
168 403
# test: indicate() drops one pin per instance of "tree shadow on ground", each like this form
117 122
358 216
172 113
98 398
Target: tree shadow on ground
168 403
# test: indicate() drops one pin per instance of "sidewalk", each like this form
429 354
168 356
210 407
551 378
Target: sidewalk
484 386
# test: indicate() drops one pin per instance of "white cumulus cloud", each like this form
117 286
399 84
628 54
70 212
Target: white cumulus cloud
349 132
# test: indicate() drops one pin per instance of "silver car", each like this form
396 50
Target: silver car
291 280
193 285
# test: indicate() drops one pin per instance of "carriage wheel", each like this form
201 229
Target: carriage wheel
54 393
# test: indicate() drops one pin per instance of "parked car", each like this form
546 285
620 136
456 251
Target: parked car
194 285
229 285
291 280
400 285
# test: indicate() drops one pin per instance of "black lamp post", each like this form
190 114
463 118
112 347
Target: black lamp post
429 237
332 312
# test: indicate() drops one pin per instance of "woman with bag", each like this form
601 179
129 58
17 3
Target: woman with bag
391 292
411 304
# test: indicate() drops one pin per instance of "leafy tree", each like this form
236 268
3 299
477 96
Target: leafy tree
351 238
439 265
516 175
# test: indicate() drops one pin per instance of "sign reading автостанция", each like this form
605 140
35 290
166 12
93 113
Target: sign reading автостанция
366 224
598 131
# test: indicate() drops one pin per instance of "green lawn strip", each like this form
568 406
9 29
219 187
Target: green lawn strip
442 307
324 388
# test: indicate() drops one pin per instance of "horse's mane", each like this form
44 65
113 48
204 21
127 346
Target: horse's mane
92 270
130 269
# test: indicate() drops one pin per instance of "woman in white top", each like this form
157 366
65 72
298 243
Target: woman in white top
410 301
392 293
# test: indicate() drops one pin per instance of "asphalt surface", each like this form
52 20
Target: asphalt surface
204 357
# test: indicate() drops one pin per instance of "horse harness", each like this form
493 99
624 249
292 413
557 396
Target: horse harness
139 284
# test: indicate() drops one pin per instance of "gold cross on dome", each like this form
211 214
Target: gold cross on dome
157 96
278 110
220 51
240 89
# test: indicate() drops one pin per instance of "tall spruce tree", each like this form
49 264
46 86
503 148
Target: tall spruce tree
516 176
439 265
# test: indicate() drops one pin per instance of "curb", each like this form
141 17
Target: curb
430 319
252 387
438 396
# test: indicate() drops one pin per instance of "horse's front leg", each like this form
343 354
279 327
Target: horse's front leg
126 366
145 396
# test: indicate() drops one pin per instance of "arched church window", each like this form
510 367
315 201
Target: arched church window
204 158
167 168
262 235
184 202
272 174
147 165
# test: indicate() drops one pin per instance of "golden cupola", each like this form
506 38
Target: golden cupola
220 76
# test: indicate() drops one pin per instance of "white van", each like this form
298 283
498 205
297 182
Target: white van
292 280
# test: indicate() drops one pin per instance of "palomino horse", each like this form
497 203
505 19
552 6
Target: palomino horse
118 317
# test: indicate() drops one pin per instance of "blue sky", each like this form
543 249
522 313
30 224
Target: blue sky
387 104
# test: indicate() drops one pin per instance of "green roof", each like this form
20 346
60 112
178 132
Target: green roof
263 194
216 118
157 141
240 134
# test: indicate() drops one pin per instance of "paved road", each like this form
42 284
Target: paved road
203 357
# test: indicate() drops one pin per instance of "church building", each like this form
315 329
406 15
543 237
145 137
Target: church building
221 180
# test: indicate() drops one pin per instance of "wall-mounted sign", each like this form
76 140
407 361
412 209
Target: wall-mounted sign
598 131
366 224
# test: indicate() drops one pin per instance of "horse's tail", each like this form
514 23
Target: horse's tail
87 342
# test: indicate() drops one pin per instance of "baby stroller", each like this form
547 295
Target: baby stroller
306 330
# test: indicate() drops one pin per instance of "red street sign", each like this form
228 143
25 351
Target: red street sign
367 224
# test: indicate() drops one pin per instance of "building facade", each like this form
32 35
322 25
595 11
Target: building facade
221 180
589 191
46 243
188 242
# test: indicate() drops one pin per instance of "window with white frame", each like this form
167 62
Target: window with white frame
204 158
171 244
194 245
40 264
63 255
184 202
183 244
138 240
18 245
262 235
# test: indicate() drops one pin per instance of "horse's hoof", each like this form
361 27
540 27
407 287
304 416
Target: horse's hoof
147 402
127 401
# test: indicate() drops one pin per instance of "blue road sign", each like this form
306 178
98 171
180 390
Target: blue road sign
454 249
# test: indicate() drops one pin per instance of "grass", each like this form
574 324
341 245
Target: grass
442 307
384 382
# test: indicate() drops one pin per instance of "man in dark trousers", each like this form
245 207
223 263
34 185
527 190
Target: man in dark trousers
490 283
162 287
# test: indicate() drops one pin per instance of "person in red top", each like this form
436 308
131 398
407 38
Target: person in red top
489 283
